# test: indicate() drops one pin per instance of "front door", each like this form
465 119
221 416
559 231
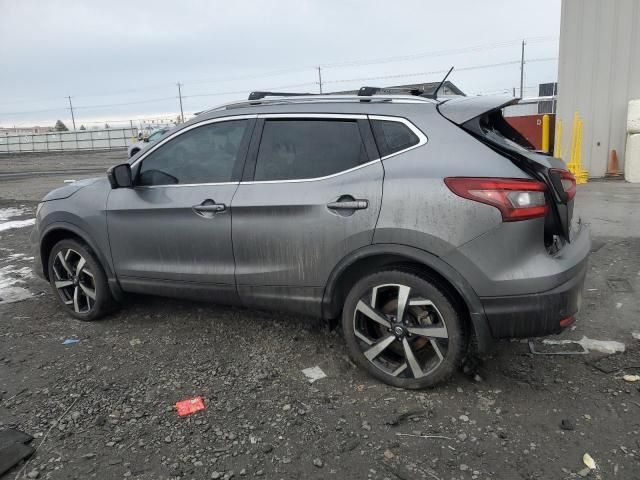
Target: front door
313 195
171 233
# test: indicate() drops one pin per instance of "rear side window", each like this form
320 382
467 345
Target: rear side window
393 137
206 154
301 148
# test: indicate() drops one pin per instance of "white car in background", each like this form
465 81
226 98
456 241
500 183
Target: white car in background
143 143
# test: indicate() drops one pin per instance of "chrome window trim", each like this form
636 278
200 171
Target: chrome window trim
422 138
314 179
186 129
174 185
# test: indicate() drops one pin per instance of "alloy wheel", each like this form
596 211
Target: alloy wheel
400 331
74 280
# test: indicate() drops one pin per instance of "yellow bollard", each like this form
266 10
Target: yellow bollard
575 161
545 133
574 133
557 143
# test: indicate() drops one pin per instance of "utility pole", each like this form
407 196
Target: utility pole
522 72
73 119
320 79
180 97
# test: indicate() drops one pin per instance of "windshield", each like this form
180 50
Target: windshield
155 136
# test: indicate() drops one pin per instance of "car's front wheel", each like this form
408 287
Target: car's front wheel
78 280
403 329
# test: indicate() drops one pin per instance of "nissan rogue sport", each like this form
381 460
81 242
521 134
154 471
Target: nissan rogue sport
422 223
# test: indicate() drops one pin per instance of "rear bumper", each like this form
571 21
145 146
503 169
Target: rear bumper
537 314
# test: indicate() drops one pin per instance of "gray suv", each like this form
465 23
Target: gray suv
425 225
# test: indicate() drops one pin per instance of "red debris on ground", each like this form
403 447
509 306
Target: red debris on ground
189 406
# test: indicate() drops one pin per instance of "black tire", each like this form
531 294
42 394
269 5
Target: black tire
134 151
428 309
75 285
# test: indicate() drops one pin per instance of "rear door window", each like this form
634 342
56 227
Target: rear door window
393 137
294 149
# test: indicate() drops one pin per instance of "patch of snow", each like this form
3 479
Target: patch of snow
16 224
11 281
314 373
12 212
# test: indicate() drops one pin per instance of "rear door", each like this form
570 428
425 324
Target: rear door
311 194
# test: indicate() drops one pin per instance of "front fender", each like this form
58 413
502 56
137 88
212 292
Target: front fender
57 228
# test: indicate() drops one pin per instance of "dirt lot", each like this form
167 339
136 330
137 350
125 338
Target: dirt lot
104 407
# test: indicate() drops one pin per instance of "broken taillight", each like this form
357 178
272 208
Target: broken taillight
565 322
567 180
517 199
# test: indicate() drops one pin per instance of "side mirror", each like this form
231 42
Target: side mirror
120 176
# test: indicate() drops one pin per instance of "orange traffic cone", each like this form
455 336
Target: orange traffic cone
613 169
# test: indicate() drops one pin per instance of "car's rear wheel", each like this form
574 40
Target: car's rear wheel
403 329
78 280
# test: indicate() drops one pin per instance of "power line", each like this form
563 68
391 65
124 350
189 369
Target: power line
434 72
105 105
321 82
273 73
352 63
437 53
242 92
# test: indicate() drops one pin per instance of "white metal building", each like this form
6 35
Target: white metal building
598 73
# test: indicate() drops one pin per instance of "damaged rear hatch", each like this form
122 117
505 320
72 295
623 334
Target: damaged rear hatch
482 117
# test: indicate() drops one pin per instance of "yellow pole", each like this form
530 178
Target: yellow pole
574 133
545 133
557 143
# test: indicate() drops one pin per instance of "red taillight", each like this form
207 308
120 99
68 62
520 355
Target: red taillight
568 182
565 322
516 199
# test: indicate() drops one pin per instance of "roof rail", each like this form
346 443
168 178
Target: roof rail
259 95
314 98
370 91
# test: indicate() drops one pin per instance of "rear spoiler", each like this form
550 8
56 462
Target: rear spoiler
462 109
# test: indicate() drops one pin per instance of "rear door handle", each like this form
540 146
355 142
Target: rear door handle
349 205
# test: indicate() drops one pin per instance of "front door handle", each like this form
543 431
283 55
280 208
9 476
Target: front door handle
348 205
216 207
209 208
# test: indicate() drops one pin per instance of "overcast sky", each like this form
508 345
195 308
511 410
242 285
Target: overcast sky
119 52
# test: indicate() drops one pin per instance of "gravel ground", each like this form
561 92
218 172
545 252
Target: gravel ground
105 407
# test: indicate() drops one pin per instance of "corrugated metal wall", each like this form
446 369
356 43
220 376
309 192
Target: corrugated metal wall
598 73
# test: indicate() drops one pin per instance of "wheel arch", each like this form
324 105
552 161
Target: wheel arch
372 258
62 230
